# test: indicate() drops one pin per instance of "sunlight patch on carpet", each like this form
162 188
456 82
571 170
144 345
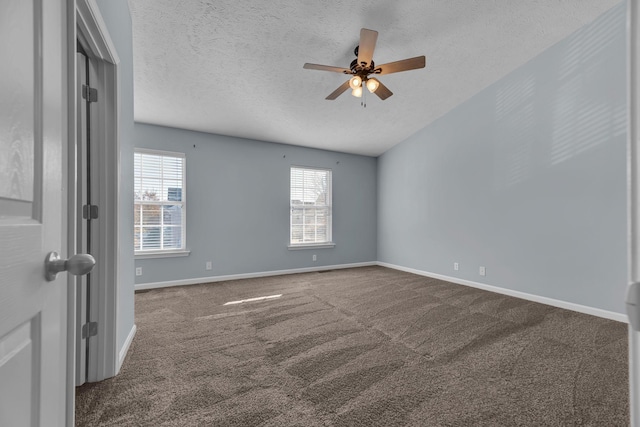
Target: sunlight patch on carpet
253 299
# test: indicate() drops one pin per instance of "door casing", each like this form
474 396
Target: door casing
633 195
85 24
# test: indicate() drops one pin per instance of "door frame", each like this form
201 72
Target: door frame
86 24
633 205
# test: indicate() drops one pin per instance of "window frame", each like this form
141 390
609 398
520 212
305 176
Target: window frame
162 253
328 204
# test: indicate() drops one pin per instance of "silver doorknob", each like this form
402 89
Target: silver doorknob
78 265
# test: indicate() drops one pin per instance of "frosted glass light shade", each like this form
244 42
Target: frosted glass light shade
372 85
355 82
357 92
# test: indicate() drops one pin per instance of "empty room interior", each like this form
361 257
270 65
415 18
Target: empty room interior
366 214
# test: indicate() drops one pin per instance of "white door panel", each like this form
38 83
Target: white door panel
16 352
32 125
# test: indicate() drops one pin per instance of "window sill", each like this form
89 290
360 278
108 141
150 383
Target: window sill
311 246
161 254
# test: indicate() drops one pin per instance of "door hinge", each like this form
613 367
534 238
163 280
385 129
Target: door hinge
89 93
89 212
633 305
89 329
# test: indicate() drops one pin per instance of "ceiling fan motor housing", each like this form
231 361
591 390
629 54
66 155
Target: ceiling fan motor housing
358 69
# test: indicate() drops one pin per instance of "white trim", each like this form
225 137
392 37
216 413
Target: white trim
89 27
196 281
318 168
68 213
155 152
153 253
311 246
611 315
161 254
633 208
125 348
328 204
94 30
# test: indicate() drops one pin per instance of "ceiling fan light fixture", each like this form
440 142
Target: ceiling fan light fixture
372 84
363 66
355 82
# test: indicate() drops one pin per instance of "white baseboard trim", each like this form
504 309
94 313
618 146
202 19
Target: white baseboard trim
518 294
125 348
199 280
611 315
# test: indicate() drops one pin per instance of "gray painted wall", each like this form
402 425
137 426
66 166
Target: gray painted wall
116 16
527 178
237 190
237 196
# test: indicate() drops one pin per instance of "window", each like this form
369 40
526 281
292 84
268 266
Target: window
310 207
159 193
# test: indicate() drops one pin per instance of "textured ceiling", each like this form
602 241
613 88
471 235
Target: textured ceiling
234 67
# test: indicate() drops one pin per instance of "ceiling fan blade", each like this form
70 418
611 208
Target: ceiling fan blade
383 92
367 44
336 93
404 65
326 68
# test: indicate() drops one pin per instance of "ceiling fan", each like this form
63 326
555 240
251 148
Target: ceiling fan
363 67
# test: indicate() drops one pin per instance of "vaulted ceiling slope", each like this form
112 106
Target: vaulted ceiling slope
234 67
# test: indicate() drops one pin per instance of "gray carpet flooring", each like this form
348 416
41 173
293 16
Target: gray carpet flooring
366 346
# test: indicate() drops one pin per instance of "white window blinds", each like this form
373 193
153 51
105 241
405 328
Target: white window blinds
159 193
310 206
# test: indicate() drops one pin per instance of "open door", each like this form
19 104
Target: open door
92 220
86 215
33 128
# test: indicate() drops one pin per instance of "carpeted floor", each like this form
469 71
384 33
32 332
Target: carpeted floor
361 347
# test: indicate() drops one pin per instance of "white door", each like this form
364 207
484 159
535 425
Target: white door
87 233
81 225
33 116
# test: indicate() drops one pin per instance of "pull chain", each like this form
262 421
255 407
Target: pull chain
363 103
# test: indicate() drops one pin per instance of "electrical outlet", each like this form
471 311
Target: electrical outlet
208 266
483 271
314 257
456 266
138 271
